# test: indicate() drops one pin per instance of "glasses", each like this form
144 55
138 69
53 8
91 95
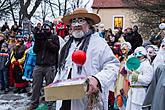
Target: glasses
162 46
80 21
139 54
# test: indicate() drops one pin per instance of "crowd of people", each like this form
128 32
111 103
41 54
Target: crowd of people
46 55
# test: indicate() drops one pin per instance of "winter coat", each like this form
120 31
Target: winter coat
30 58
100 62
4 58
46 50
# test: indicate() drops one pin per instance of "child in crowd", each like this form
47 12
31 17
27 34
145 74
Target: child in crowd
17 62
29 64
4 59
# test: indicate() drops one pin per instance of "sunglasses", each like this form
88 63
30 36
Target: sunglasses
80 21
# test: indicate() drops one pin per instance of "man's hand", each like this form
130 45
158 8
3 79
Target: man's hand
135 76
93 85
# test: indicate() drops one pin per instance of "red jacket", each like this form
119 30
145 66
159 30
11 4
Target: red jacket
61 30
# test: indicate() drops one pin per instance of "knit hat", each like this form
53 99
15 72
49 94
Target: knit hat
126 44
47 23
4 45
140 51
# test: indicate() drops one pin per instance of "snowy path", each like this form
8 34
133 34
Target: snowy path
13 101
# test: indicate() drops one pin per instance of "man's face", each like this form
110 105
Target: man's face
79 27
151 52
135 29
162 46
39 25
129 30
46 28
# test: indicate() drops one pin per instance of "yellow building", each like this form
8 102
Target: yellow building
114 13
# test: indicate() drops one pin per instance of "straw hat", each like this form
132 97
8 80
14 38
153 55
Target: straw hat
81 13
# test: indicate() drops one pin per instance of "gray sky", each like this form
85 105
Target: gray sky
49 17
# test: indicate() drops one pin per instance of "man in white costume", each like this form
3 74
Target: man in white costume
101 66
160 58
139 81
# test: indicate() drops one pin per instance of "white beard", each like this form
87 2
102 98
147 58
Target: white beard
78 34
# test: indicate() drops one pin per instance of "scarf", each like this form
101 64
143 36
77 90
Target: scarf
65 50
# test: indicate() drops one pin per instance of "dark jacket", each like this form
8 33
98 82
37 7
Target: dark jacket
136 40
46 50
4 27
4 57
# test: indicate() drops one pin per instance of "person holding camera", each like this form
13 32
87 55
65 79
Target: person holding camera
46 47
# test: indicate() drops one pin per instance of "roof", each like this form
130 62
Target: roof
109 4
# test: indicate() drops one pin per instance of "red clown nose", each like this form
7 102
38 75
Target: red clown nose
79 57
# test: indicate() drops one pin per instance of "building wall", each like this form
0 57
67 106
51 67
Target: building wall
107 17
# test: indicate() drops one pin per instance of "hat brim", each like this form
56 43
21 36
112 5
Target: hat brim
95 18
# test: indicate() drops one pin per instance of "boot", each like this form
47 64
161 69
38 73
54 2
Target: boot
31 107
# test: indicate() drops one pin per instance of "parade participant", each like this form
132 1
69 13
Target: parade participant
29 64
100 66
139 80
11 45
117 50
46 48
155 99
160 59
61 29
121 89
152 51
17 61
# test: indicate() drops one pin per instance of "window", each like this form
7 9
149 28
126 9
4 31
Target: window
118 22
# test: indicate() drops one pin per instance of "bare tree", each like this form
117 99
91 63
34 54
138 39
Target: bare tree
149 13
23 13
21 9
7 7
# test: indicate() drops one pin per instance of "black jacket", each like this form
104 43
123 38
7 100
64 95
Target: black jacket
46 50
136 40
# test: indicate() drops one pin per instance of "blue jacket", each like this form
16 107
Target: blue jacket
30 57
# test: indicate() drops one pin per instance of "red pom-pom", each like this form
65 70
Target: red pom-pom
79 57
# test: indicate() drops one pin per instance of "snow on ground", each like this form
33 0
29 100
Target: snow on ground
13 101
